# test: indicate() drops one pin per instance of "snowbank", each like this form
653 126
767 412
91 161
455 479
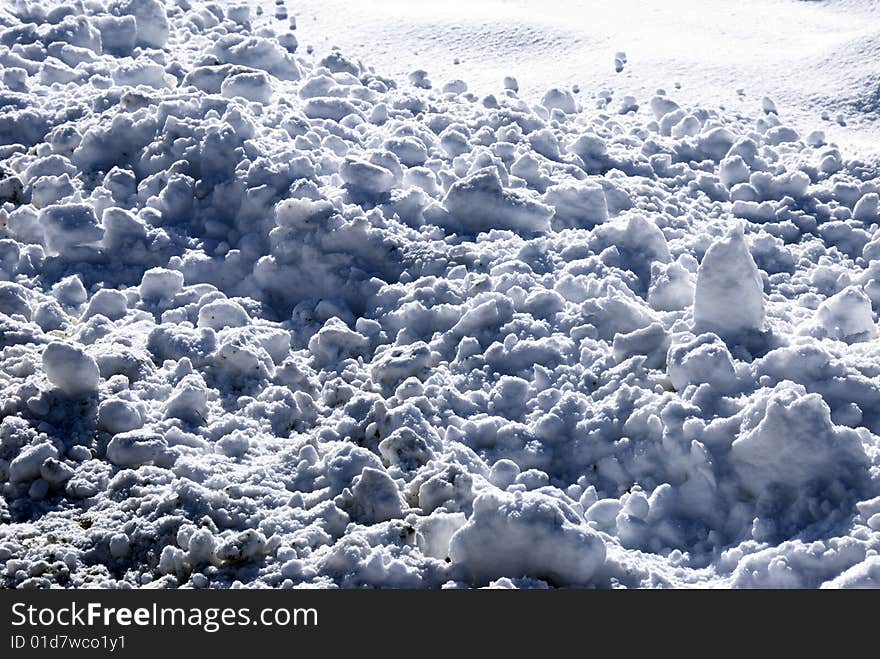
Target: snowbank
271 318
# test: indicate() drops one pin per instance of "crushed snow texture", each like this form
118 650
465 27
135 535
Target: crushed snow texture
269 318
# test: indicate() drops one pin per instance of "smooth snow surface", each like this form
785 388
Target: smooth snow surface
817 61
274 314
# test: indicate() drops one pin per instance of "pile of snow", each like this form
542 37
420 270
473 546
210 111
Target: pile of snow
527 534
270 318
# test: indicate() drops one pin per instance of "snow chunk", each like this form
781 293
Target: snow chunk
70 369
107 302
434 532
250 85
661 106
143 72
69 226
334 341
257 53
239 357
218 314
399 362
189 400
150 18
480 202
560 99
302 213
787 438
716 142
171 341
55 472
672 287
15 299
366 177
863 575
135 448
729 297
700 359
578 204
160 284
70 291
847 316
867 209
116 415
328 108
527 535
374 497
26 465
406 449
118 33
651 341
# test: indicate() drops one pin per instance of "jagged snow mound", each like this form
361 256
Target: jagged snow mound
270 318
729 295
528 534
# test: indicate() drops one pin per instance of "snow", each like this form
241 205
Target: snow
729 293
485 296
70 369
527 535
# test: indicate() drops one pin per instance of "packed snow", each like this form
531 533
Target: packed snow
271 316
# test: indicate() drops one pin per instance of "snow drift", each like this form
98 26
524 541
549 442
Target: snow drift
270 318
